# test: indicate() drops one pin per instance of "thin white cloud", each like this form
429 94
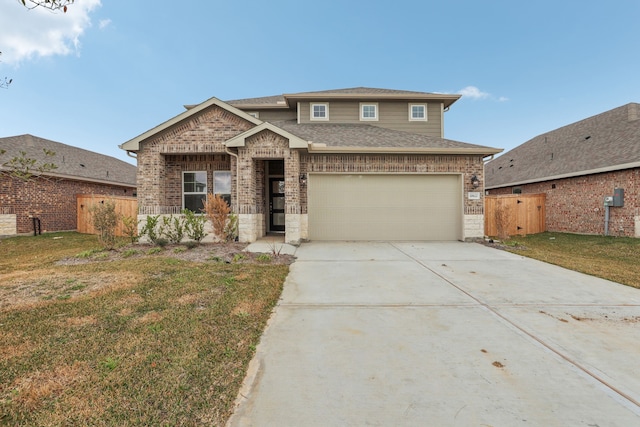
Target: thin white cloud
39 32
473 92
104 23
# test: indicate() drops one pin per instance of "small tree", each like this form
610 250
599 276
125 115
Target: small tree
4 83
105 220
25 168
48 4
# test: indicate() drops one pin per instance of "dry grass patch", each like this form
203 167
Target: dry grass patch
611 258
146 340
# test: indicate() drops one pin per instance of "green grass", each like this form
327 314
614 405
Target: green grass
148 340
612 258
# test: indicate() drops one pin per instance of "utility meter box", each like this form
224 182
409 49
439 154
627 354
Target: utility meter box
608 201
618 197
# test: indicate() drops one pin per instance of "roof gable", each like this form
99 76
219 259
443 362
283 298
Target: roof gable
134 144
607 141
71 162
239 140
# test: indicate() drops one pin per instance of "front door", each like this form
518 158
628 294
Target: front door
276 204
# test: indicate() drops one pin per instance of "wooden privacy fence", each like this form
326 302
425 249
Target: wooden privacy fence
513 214
125 206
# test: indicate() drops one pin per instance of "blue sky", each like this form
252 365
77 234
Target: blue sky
107 71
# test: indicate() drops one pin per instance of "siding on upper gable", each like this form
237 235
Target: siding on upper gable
274 115
391 115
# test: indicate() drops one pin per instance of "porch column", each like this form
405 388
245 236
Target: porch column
246 193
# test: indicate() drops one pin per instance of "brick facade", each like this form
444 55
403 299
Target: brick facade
53 201
198 145
576 205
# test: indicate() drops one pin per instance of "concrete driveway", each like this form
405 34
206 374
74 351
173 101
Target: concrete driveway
443 334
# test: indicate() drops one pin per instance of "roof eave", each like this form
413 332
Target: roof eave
484 151
78 178
133 145
239 140
568 175
249 107
446 99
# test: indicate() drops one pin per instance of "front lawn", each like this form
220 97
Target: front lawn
144 338
612 258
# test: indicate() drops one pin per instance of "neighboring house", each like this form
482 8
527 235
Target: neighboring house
349 164
577 166
51 198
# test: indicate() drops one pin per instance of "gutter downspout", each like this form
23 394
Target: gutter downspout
130 154
226 150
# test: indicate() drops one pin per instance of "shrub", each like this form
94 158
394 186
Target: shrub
105 220
231 229
194 225
130 227
150 228
173 228
217 210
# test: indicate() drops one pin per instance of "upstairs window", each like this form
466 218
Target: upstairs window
194 190
319 111
417 112
369 111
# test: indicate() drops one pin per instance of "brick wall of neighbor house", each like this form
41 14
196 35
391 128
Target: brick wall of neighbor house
53 201
576 205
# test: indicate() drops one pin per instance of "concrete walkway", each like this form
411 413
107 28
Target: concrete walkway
443 334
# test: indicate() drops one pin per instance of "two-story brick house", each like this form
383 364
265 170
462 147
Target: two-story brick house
349 164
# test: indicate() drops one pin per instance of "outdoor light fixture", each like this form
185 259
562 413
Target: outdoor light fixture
303 178
475 182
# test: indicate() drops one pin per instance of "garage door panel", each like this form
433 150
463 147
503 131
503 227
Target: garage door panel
384 207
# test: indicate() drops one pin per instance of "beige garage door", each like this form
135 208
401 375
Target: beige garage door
384 207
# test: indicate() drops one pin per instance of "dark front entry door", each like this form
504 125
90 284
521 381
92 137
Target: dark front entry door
276 204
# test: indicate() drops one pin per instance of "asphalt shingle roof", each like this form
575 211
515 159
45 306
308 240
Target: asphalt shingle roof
70 161
607 140
280 99
364 135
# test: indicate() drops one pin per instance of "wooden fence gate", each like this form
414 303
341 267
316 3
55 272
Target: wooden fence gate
514 214
125 206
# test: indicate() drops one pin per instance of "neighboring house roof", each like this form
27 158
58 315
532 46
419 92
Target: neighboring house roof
71 162
362 93
364 137
605 142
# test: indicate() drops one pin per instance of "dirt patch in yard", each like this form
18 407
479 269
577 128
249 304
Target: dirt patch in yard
206 252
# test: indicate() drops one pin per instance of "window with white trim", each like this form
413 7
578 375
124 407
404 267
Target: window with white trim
417 112
194 190
319 112
369 111
222 185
